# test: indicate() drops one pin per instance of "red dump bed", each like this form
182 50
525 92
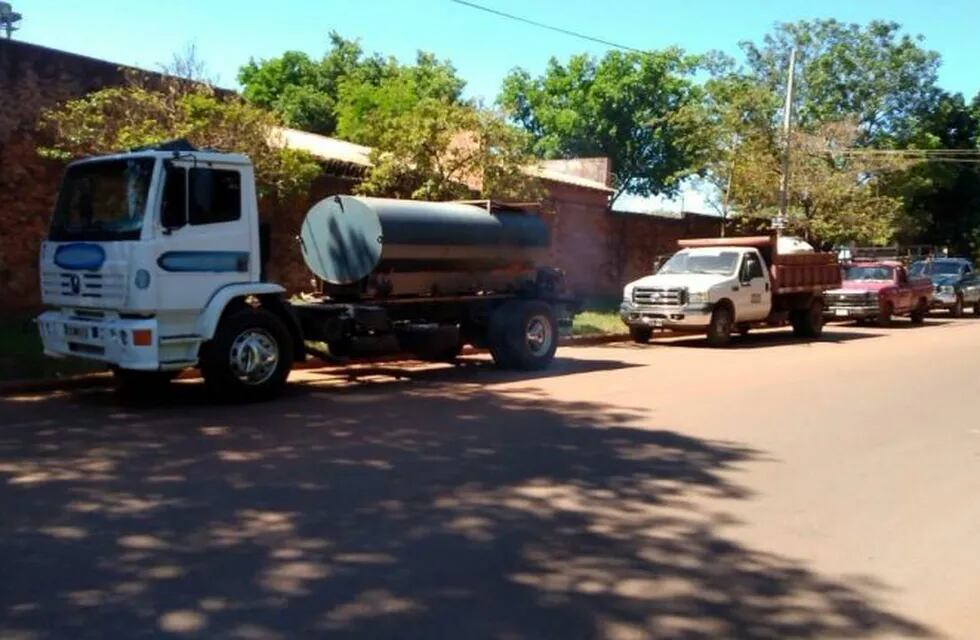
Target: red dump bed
791 272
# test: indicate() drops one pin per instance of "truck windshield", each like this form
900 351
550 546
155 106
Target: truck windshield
103 200
936 267
720 262
869 272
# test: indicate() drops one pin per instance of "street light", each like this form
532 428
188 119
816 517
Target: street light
8 17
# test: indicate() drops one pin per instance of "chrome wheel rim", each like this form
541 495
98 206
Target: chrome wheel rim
538 335
254 356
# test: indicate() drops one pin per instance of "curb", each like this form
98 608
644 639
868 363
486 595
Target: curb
105 379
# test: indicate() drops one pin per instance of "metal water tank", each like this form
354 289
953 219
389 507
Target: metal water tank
347 238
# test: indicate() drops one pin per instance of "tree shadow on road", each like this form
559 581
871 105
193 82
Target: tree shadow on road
418 510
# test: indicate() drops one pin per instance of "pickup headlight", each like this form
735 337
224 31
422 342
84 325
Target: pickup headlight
697 297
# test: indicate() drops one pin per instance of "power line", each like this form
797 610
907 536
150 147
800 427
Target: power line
549 27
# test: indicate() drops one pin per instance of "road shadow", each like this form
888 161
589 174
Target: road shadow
418 510
769 339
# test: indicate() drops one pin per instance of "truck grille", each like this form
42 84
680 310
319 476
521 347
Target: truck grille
90 287
848 300
660 296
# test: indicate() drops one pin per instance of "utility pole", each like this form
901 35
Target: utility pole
787 129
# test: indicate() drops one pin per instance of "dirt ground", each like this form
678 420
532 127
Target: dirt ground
775 489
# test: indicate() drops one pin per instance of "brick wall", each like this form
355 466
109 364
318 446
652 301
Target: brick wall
600 250
33 78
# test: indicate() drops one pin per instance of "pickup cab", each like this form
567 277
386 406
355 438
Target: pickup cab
878 291
955 281
721 285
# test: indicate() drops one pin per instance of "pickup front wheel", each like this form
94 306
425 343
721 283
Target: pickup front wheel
720 328
641 335
249 357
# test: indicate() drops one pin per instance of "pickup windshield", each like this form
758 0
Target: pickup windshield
701 261
869 272
103 200
937 268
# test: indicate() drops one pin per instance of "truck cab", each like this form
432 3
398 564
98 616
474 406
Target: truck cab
145 253
687 287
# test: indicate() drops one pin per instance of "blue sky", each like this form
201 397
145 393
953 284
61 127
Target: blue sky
483 47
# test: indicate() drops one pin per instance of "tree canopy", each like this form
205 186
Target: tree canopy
874 74
638 109
142 113
336 94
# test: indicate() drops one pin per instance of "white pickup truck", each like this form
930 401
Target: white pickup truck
720 285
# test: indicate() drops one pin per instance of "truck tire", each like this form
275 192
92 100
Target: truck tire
641 335
142 383
523 334
918 315
808 323
957 309
249 357
885 315
720 327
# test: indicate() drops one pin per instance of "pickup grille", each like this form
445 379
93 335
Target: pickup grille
660 296
848 300
86 286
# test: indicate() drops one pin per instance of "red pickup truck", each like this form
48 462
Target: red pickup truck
878 291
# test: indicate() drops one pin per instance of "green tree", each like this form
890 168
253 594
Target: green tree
943 198
443 150
639 109
873 74
312 94
145 112
835 197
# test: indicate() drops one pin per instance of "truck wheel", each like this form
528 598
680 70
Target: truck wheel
808 323
641 335
720 328
957 310
918 315
142 383
885 315
523 335
249 357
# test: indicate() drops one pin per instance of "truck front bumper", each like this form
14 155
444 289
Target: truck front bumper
852 313
688 317
943 300
124 342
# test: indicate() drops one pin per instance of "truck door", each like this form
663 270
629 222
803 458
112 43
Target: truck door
205 240
754 297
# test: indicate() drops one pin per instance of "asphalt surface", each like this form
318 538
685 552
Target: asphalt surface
775 489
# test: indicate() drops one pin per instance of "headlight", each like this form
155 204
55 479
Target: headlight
697 297
627 295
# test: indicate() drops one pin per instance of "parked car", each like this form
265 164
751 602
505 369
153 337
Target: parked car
878 291
956 283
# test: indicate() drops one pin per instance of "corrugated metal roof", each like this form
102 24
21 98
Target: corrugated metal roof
336 150
566 178
325 148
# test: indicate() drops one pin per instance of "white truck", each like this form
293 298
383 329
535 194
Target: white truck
155 258
718 286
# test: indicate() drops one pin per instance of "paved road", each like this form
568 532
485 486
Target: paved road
771 490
